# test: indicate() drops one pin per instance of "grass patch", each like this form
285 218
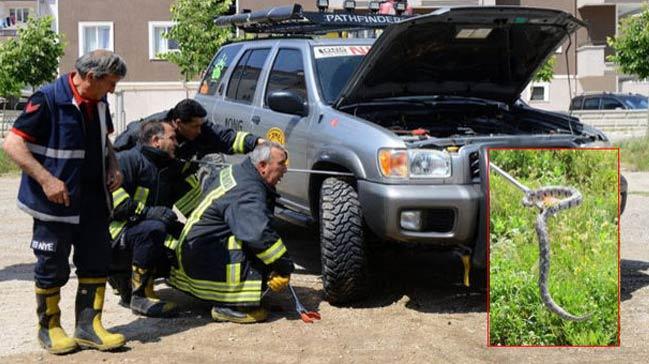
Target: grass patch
583 274
634 153
7 165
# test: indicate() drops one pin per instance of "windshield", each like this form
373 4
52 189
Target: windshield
635 102
334 66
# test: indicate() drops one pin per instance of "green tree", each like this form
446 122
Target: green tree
546 72
38 51
197 36
10 84
632 45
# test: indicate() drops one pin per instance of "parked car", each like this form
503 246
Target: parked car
609 101
408 117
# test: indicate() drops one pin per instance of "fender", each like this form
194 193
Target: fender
342 156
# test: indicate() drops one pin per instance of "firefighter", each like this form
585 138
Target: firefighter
143 218
196 138
61 143
229 251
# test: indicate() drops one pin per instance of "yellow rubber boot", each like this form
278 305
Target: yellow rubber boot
51 335
144 301
89 331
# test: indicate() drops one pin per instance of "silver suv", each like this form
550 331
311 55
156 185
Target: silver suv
405 119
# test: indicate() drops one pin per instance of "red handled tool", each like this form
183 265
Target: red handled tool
308 317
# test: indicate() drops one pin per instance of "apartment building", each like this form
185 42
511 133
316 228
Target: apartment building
13 15
134 30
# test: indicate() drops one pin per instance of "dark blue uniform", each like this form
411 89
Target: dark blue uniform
212 139
229 245
68 136
148 181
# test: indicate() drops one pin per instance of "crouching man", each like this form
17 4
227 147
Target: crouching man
229 251
142 219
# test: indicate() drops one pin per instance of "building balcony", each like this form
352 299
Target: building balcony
585 3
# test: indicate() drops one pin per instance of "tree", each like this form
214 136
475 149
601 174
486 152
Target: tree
10 85
546 72
32 58
632 47
197 36
38 51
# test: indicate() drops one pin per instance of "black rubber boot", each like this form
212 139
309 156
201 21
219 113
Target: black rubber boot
144 301
121 283
51 335
89 331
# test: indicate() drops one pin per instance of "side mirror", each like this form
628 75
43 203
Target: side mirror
287 102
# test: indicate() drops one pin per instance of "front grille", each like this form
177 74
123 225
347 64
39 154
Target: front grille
474 166
438 220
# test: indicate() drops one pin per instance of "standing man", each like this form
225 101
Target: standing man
61 143
229 250
143 218
196 138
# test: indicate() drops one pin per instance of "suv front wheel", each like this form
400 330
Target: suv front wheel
342 243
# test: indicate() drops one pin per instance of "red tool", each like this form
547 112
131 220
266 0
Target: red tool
308 317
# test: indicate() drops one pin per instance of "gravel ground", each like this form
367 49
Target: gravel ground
418 313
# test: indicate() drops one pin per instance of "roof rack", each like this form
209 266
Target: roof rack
292 20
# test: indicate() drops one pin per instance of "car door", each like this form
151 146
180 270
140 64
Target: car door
287 74
236 109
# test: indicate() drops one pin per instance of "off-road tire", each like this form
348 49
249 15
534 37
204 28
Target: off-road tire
206 173
342 245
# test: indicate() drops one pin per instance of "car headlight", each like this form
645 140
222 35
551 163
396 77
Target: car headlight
415 163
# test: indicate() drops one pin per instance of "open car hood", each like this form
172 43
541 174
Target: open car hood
485 52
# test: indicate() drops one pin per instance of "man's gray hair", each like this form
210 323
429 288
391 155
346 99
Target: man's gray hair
149 129
101 62
261 153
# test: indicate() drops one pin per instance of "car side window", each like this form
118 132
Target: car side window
591 103
287 74
576 103
245 76
609 103
218 68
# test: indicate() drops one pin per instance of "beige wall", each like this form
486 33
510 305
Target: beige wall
131 34
608 82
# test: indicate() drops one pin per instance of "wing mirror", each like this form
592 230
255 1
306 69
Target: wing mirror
287 102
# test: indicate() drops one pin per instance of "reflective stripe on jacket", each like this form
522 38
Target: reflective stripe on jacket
228 240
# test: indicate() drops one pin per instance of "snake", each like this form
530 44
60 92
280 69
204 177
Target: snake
550 200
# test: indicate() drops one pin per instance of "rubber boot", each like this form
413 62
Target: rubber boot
144 301
51 335
89 331
121 283
239 315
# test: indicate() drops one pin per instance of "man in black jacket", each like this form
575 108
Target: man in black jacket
143 218
229 250
196 138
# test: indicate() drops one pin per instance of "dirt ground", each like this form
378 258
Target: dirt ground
419 312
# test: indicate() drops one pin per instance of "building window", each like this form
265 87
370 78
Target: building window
19 15
157 43
95 35
540 92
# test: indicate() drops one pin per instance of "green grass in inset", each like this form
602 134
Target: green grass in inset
583 274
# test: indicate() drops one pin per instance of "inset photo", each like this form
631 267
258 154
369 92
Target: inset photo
553 247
